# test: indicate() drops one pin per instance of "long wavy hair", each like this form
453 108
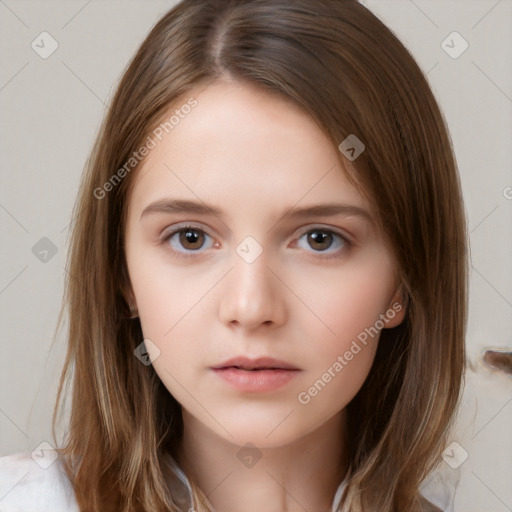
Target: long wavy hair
339 63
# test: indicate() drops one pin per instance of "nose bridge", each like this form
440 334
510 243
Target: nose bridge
253 295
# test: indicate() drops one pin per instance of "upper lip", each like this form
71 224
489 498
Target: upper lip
246 363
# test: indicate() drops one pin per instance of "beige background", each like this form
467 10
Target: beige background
51 109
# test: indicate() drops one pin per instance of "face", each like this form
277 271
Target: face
309 289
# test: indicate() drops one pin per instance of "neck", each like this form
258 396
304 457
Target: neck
303 475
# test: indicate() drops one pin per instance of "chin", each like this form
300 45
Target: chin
263 430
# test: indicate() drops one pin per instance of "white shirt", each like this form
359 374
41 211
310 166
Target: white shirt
25 486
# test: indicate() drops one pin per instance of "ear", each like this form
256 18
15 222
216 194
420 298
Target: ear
126 289
397 308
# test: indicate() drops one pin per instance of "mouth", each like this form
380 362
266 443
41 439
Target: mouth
252 369
256 377
255 365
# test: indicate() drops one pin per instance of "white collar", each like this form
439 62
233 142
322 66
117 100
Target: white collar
337 497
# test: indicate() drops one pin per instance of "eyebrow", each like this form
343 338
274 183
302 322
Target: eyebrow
199 208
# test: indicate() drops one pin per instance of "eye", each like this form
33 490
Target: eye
186 239
321 239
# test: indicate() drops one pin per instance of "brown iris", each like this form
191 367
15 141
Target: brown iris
317 239
191 238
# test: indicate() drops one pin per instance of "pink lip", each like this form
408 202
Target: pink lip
259 363
256 375
255 381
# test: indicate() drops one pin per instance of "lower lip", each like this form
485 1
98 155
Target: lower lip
257 381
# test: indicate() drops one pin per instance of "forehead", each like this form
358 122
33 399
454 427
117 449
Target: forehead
242 146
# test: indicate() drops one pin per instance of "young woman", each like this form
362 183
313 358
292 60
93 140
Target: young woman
267 275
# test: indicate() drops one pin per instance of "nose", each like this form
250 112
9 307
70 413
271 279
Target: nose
252 295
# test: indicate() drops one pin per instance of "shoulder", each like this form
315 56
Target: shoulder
35 486
439 488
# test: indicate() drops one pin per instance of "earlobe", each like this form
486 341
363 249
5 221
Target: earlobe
129 296
127 293
132 305
397 308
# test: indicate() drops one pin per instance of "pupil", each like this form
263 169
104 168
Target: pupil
189 238
319 238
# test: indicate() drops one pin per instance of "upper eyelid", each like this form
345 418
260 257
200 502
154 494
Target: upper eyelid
171 230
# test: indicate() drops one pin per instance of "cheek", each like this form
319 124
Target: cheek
167 294
180 340
172 322
171 303
354 310
347 302
344 330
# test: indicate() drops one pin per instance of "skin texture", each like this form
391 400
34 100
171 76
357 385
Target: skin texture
254 154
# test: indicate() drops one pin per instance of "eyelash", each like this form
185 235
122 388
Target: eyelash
190 254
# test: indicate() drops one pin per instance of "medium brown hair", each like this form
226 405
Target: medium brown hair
350 73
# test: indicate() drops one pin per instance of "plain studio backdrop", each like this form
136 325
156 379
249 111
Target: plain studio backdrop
60 63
